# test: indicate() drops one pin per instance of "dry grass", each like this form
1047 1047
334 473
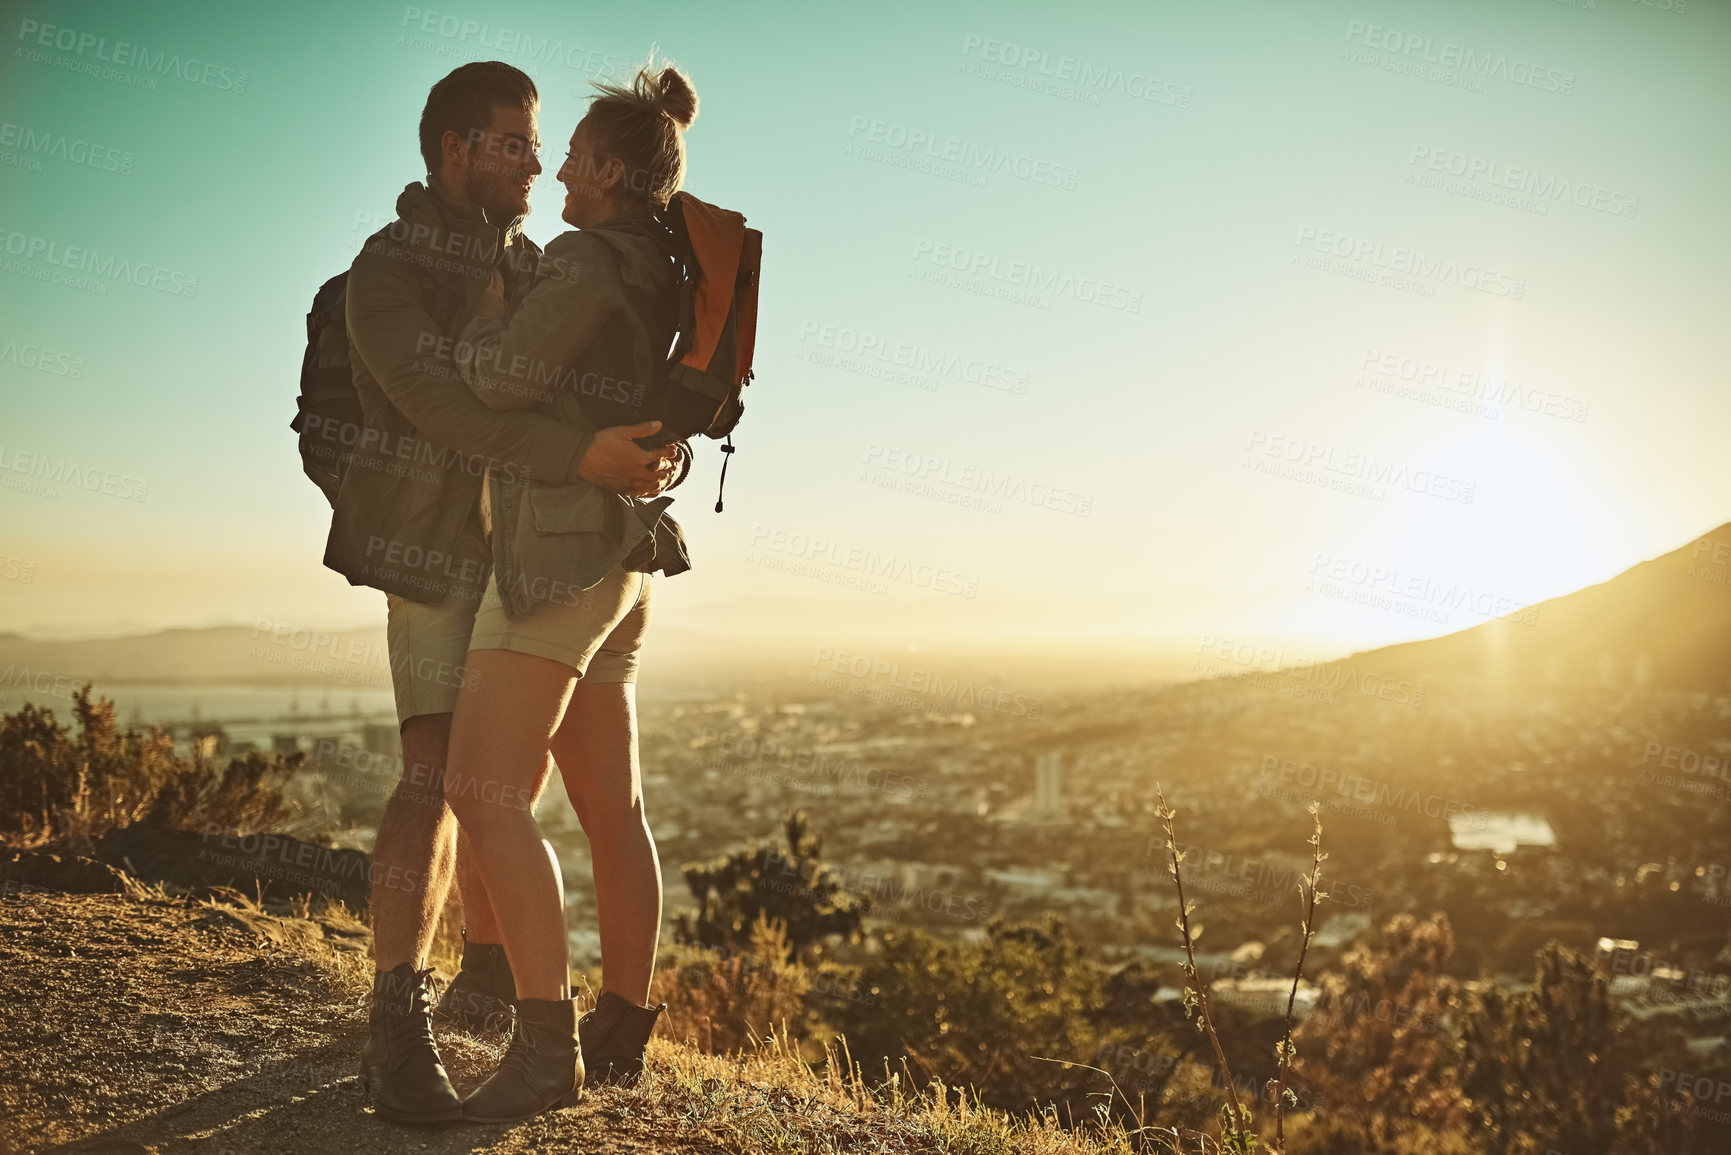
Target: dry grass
767 1100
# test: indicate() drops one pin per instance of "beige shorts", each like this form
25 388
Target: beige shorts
428 645
600 637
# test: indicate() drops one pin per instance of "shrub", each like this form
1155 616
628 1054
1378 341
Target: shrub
69 788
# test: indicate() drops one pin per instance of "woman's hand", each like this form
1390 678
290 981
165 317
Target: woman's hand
615 461
492 305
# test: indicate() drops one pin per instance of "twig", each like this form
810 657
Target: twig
1310 894
1237 1119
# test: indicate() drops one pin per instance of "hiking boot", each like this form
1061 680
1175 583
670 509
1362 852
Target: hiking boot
542 1068
401 1066
483 994
614 1036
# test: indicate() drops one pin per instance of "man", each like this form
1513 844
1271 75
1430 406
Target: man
408 521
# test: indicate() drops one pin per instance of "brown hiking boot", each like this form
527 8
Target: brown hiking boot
615 1035
542 1068
483 995
401 1065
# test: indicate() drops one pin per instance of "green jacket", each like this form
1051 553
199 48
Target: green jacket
588 337
407 520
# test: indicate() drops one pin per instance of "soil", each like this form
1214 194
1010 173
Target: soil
140 1022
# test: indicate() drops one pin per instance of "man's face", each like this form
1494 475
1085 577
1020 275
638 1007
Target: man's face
503 163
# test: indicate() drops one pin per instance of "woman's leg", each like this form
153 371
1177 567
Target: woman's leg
596 749
499 742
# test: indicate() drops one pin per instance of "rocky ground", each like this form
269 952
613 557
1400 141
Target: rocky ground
143 1022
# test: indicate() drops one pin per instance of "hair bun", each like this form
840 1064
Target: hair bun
675 97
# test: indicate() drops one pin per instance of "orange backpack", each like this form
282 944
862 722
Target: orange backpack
702 387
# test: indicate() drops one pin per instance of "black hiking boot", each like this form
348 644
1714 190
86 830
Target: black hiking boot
542 1068
401 1065
483 994
614 1036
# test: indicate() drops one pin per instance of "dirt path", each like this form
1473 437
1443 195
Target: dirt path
133 1025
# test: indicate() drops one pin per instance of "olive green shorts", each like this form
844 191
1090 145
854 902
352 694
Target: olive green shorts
428 645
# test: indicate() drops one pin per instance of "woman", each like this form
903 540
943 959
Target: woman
553 657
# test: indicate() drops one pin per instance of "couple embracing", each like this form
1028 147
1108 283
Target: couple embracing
501 482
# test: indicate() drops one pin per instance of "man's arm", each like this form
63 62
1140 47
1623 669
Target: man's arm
400 345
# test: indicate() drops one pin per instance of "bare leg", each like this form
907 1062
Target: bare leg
596 748
499 743
480 924
412 855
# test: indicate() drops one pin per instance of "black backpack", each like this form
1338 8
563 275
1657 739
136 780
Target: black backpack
329 417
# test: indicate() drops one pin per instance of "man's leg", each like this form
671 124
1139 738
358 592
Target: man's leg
417 844
413 858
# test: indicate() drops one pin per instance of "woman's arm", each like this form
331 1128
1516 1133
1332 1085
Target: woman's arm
516 363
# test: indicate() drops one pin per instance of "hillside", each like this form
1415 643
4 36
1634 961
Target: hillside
136 1022
1664 623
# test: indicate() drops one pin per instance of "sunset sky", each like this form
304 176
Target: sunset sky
1100 365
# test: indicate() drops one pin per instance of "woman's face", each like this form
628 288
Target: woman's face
589 180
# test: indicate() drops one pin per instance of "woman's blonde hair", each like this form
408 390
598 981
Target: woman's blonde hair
644 126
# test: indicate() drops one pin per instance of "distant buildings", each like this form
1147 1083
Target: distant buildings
1048 786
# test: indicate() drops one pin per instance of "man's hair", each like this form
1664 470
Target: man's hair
463 103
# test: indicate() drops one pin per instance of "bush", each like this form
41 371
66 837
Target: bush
721 1001
793 888
61 787
986 1015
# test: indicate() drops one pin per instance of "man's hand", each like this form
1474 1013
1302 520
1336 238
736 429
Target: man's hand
615 461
